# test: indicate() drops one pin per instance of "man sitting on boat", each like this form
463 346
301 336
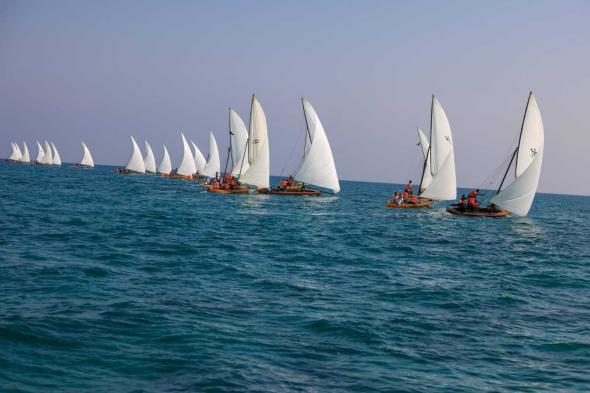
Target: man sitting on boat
472 202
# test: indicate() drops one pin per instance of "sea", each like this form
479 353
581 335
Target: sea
137 283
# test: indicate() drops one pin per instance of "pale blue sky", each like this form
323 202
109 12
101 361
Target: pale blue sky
104 70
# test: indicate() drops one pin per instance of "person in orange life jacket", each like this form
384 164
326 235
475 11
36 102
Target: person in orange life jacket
409 187
405 196
462 201
472 199
414 199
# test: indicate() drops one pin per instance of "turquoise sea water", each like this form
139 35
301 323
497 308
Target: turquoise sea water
113 283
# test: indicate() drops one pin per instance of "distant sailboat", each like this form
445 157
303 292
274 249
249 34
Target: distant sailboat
166 165
517 198
200 162
149 160
25 156
213 166
41 153
87 161
135 164
47 157
16 154
187 168
318 167
438 181
56 159
257 151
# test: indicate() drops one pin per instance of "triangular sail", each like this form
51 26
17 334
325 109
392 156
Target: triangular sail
166 165
425 146
258 175
149 160
40 154
48 157
442 157
56 159
213 166
318 166
187 166
14 155
238 135
200 160
25 157
135 163
518 197
87 158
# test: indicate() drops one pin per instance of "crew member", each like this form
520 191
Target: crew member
409 187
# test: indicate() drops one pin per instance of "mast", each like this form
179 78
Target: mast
247 149
521 129
429 146
307 133
507 169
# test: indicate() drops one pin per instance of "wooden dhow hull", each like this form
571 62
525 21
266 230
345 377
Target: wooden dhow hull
307 192
480 212
422 203
224 191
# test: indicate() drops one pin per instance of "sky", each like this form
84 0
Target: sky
101 71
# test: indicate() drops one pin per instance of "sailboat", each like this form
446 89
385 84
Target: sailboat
87 161
213 165
40 154
518 196
16 154
55 159
187 168
166 165
135 164
25 156
438 181
47 157
238 139
317 167
149 160
257 152
200 162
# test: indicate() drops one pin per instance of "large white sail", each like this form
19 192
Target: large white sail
135 163
41 153
238 135
518 197
166 165
258 175
56 159
15 154
200 160
442 157
213 166
427 178
149 160
187 165
87 158
318 166
25 156
48 157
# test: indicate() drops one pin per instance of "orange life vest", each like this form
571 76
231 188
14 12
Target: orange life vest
471 200
405 195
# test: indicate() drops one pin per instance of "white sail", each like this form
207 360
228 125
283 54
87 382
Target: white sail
135 163
48 157
518 197
166 165
427 178
41 153
56 159
318 166
258 174
200 160
14 155
187 166
442 157
25 156
213 166
87 158
149 160
238 135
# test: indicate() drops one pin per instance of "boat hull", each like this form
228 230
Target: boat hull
224 191
422 203
307 192
483 212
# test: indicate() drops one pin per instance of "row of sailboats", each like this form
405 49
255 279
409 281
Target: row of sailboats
248 159
438 180
47 155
